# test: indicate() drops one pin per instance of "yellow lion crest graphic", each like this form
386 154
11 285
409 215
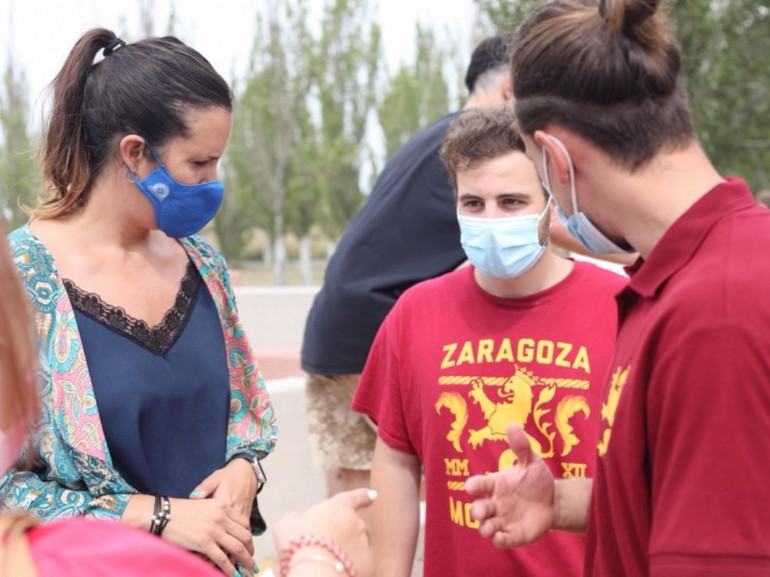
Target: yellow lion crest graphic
514 402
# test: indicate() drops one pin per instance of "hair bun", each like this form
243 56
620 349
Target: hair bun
624 14
637 11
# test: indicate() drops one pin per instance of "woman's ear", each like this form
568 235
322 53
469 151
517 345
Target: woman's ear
132 152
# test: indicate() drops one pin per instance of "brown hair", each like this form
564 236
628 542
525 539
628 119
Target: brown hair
18 397
608 70
479 134
142 88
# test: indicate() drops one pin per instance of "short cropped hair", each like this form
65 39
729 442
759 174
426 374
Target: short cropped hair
490 54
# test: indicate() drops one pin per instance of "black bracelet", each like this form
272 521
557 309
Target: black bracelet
161 515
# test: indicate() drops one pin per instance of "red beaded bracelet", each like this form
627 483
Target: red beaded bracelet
341 564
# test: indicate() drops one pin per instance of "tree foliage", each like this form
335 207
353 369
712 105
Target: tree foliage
726 68
345 69
19 173
726 47
299 124
418 93
260 144
496 16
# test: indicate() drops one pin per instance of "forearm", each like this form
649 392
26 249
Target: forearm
396 478
570 504
138 511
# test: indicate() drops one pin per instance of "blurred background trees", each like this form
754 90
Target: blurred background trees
726 68
317 112
19 175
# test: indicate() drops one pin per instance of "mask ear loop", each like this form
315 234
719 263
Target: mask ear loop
155 157
133 176
573 193
546 210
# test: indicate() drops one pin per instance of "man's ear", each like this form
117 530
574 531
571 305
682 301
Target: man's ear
132 151
506 89
558 160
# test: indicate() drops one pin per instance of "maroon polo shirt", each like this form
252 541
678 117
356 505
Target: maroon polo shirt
683 474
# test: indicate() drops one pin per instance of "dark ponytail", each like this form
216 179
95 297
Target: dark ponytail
65 162
141 88
609 71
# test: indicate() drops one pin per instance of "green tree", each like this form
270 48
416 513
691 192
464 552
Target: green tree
726 45
260 146
303 207
299 125
19 173
726 68
503 15
418 93
345 68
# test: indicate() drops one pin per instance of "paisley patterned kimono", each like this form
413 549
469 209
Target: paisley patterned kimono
73 473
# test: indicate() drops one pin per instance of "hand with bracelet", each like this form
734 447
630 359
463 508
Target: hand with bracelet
330 538
210 527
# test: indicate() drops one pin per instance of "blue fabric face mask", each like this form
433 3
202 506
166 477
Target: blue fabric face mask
180 209
578 224
502 247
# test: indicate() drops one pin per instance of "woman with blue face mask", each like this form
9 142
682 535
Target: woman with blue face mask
78 546
154 412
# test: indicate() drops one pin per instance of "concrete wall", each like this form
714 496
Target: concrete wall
274 318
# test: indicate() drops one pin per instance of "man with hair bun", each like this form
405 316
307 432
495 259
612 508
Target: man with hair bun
686 409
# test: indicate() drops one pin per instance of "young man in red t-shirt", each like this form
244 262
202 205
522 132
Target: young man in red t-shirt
682 469
520 336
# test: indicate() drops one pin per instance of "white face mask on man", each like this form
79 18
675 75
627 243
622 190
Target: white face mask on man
502 247
578 224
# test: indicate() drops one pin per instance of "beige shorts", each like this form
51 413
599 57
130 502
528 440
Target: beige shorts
341 438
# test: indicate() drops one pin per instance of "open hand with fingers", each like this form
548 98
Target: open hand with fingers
514 506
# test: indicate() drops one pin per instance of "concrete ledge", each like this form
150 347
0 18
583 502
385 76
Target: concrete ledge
274 317
278 363
294 481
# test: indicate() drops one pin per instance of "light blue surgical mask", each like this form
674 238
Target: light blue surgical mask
180 209
578 224
503 247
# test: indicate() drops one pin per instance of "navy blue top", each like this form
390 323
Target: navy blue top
163 392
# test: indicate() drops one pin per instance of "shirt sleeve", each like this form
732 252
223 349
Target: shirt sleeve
380 390
27 491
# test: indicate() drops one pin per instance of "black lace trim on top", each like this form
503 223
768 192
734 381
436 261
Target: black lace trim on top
158 339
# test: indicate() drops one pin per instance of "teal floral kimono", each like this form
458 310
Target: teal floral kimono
73 473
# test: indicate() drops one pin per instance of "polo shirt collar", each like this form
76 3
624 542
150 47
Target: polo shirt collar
680 242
